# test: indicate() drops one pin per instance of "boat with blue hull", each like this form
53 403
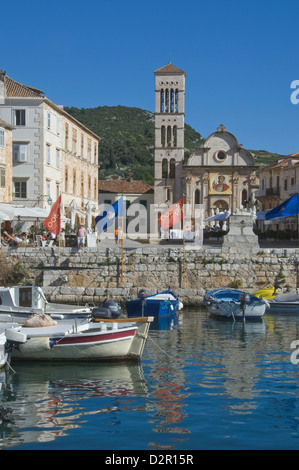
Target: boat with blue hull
234 304
160 305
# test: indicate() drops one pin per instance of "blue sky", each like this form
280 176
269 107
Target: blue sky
240 59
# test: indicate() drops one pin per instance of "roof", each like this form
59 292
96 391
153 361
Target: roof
5 124
17 90
124 187
169 69
284 161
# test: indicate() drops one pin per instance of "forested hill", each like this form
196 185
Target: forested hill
127 140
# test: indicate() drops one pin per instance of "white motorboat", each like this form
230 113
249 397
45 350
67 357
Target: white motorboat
3 353
20 302
74 340
17 303
285 303
234 304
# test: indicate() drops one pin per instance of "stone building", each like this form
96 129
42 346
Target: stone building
278 182
134 192
53 153
5 162
169 133
220 174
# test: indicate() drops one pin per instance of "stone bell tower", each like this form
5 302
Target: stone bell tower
169 133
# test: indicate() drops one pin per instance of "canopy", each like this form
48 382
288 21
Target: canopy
4 216
260 215
287 208
23 213
221 216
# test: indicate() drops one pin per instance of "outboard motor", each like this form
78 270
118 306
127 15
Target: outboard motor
244 298
114 307
101 313
142 295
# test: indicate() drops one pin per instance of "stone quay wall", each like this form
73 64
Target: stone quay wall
89 275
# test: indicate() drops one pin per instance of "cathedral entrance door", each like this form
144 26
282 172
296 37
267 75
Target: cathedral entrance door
221 205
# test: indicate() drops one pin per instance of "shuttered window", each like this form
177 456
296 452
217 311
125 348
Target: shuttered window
20 153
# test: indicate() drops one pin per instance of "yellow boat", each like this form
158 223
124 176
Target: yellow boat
266 293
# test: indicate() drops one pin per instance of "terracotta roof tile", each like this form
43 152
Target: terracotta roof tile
124 187
284 161
5 124
17 90
169 69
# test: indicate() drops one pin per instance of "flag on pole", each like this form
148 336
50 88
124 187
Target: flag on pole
287 208
53 221
106 218
173 215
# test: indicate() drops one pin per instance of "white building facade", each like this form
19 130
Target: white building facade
45 155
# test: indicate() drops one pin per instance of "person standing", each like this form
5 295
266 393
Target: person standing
81 236
62 237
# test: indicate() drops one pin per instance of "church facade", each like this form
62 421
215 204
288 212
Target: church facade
220 174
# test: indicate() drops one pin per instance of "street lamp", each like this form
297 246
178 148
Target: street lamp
45 196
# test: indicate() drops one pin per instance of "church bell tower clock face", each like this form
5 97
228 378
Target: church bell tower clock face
169 133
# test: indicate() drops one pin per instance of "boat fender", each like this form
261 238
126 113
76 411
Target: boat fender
35 345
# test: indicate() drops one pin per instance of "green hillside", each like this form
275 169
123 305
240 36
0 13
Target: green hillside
127 140
264 158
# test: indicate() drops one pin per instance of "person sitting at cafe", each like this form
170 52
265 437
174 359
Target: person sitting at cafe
24 237
17 238
7 239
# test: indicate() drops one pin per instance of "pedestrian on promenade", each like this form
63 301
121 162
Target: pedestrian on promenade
116 235
81 236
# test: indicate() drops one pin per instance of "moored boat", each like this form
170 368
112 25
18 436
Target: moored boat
80 341
18 303
266 293
285 303
3 353
234 304
162 304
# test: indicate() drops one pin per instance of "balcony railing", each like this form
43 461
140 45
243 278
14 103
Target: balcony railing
272 191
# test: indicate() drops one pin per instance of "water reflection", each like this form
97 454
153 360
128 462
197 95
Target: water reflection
46 398
202 380
211 361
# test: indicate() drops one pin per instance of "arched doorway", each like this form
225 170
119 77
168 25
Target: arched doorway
221 205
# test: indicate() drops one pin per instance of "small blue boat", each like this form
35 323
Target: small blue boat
234 304
160 305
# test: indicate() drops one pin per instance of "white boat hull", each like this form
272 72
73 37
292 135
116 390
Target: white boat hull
99 341
40 350
233 310
285 303
3 354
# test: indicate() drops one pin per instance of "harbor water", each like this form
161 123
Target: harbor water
202 384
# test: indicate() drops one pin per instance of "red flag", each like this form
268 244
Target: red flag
173 215
53 221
